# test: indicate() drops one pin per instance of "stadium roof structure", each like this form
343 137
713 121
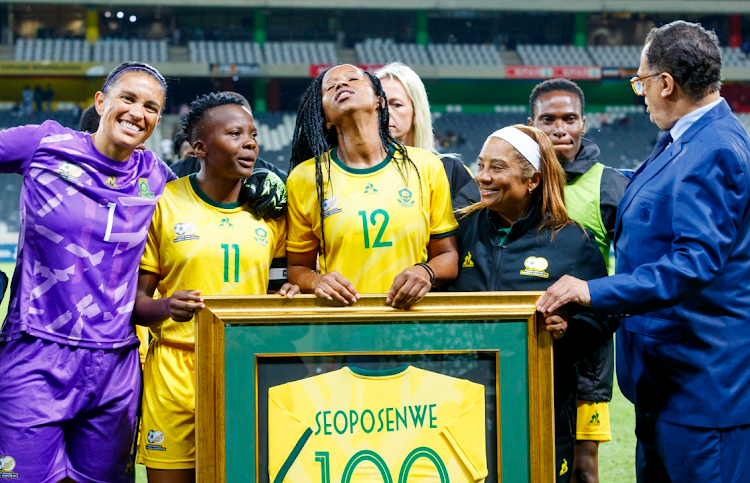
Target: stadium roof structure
636 6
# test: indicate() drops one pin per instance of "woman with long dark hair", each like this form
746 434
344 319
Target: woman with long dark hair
366 214
69 364
519 237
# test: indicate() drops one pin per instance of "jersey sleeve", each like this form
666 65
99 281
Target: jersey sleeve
18 145
302 201
442 221
279 227
287 434
150 261
466 434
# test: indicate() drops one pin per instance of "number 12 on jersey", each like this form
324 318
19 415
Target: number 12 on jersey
236 249
374 222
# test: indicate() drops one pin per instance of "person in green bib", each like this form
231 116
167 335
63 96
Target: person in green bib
592 193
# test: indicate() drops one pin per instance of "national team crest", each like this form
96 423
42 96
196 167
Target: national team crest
405 198
143 190
261 236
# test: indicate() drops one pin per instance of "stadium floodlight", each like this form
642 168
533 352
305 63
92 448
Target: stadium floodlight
107 14
133 18
120 14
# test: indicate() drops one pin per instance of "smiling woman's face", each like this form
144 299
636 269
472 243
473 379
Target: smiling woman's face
346 89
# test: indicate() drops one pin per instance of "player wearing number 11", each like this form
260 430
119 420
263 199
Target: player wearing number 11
204 239
375 214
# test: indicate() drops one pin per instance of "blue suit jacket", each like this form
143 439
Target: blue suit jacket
683 264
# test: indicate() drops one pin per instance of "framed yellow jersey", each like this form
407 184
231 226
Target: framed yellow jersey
195 243
377 222
355 426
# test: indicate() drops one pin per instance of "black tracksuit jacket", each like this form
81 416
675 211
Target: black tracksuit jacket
516 265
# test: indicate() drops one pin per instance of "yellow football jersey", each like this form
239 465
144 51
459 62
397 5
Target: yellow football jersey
359 426
376 225
195 243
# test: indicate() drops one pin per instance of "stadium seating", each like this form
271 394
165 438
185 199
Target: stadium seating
533 54
300 53
627 56
464 54
105 50
383 51
209 51
734 57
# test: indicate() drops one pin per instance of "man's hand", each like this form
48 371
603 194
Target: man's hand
266 193
567 290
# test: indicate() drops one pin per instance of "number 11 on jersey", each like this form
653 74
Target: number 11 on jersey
236 249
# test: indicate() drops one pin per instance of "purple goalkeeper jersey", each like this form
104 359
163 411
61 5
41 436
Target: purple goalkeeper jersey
84 221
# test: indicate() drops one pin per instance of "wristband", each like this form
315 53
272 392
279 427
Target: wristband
430 271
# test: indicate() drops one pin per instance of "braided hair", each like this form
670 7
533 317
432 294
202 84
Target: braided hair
313 140
198 109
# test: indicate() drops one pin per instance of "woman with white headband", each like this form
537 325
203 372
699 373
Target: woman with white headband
520 237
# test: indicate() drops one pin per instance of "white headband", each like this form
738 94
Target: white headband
523 144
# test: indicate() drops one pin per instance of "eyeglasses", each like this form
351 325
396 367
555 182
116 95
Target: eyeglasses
639 87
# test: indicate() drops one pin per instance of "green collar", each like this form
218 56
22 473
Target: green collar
203 196
378 372
377 167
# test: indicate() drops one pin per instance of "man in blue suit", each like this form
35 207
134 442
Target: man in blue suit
683 271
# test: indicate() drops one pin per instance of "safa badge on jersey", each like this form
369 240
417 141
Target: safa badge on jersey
155 440
535 267
185 231
329 206
7 465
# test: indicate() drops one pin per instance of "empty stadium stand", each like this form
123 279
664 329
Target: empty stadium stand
383 51
105 50
534 54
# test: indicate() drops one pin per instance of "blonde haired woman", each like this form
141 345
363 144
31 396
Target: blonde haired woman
410 120
519 237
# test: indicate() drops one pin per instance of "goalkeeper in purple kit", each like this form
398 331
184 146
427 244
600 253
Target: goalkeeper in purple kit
69 364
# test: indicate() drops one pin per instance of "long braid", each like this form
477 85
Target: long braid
313 140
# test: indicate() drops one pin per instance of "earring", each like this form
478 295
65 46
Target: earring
529 190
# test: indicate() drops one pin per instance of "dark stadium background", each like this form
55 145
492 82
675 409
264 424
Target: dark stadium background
479 60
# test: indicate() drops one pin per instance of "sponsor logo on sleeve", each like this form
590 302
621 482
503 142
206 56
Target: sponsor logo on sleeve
535 267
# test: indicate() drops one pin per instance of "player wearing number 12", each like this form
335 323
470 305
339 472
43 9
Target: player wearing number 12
371 207
203 236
